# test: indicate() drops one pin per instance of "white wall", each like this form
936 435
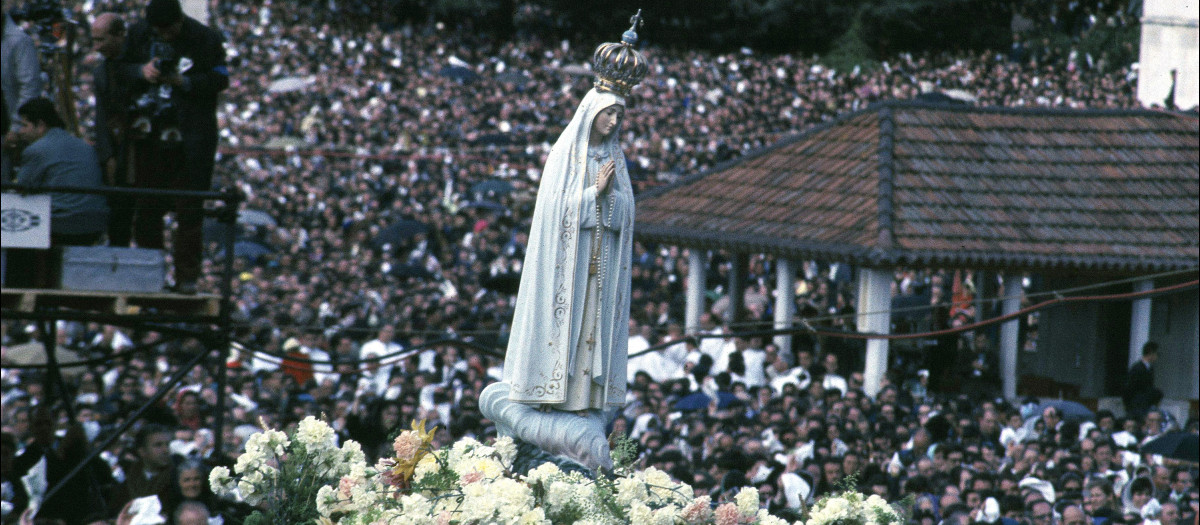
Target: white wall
1170 40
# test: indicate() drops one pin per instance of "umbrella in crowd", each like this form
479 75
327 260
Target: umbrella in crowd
459 73
414 271
285 143
248 249
399 232
214 230
1180 445
492 187
483 205
254 217
513 77
288 84
576 69
1069 410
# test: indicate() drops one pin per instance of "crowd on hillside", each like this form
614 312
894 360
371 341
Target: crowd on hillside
397 171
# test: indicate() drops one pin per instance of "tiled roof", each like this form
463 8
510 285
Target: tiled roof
907 183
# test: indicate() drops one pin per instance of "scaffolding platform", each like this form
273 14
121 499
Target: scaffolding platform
30 300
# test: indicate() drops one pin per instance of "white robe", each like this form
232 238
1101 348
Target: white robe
553 309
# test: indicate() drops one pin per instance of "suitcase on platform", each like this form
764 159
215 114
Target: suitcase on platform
112 269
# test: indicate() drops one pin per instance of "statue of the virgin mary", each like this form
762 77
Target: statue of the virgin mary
567 350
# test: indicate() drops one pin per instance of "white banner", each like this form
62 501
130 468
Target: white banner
24 221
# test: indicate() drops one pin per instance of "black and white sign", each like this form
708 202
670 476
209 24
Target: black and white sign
25 221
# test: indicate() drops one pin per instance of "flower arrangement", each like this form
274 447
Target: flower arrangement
850 507
473 483
281 475
306 478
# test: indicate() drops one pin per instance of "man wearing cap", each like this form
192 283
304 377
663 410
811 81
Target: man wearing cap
177 59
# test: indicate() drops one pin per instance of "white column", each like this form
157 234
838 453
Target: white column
785 302
1139 321
738 264
1009 333
875 315
695 290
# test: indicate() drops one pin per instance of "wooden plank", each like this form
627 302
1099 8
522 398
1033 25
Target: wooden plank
17 299
120 303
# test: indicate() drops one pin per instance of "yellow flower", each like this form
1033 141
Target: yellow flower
411 446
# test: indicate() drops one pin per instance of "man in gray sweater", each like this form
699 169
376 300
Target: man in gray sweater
55 157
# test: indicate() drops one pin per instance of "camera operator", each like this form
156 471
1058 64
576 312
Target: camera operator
178 66
22 82
112 121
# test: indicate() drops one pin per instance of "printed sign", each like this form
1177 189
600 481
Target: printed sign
24 221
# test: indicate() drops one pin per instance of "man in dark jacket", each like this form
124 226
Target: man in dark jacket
179 69
112 121
1140 393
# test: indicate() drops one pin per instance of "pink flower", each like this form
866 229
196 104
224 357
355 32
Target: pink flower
471 477
344 486
406 445
727 514
699 511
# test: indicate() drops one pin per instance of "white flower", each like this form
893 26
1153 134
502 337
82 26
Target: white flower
765 518
488 467
428 465
664 490
507 450
631 490
562 494
542 473
483 502
535 516
640 513
313 432
352 453
327 500
666 516
266 442
220 481
416 505
249 460
747 500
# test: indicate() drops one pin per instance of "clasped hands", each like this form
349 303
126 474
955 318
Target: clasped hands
605 177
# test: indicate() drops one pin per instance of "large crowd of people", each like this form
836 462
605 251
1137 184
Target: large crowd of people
396 165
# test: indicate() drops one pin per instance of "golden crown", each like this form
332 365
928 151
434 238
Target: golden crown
618 65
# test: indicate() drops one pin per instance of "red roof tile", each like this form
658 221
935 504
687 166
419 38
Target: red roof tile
957 185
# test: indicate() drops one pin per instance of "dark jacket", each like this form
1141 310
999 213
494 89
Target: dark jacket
201 51
207 76
112 85
1140 393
